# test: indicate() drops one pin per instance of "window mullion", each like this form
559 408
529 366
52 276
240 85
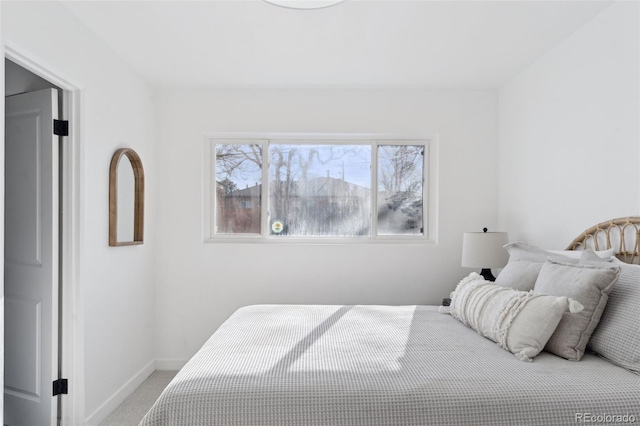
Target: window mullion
213 191
265 189
425 190
374 190
209 218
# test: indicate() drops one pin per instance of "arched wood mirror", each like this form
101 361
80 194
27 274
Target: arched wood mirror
126 198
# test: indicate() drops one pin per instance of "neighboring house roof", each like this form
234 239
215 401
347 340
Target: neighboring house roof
251 191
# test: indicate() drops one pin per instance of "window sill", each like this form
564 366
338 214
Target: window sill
397 240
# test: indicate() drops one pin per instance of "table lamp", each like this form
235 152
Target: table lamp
484 250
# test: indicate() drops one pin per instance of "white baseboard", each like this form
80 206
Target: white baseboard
170 364
121 394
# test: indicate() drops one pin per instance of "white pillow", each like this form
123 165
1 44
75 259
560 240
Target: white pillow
525 262
590 283
617 336
576 254
519 321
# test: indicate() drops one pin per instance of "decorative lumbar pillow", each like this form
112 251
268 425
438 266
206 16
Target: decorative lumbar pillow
518 321
525 262
589 284
617 337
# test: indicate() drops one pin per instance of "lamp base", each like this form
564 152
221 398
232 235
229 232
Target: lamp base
487 275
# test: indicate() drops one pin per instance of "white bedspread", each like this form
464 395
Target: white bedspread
380 365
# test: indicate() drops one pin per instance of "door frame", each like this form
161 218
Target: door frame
72 316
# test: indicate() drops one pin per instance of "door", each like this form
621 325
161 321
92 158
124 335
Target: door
31 258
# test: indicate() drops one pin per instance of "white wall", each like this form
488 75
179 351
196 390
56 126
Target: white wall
569 134
117 111
199 285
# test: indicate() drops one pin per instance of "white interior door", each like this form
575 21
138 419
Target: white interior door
31 258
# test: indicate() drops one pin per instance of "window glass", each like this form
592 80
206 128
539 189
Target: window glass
320 190
238 188
288 189
400 189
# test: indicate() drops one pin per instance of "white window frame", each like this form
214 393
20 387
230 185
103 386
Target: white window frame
429 188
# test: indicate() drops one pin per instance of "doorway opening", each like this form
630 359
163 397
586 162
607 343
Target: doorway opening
43 336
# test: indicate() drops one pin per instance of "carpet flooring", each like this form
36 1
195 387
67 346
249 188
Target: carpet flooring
133 409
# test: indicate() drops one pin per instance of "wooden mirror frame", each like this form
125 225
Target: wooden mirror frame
138 213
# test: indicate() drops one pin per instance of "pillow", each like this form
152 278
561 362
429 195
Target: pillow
617 337
525 261
518 321
589 284
577 254
590 256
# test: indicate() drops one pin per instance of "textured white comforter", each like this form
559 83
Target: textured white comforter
380 365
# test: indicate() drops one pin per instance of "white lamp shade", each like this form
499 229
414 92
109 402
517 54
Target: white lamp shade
484 250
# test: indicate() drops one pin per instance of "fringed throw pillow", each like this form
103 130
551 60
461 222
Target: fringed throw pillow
519 321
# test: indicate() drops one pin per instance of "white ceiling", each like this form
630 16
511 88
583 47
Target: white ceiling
357 43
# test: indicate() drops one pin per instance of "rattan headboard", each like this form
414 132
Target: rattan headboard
623 235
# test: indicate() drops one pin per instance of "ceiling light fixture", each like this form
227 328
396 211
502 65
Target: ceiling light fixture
304 4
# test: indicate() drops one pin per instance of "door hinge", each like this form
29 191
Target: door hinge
60 387
61 127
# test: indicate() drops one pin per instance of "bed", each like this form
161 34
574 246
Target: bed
394 365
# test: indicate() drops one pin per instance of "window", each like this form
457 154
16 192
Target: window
400 189
238 204
317 189
320 190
